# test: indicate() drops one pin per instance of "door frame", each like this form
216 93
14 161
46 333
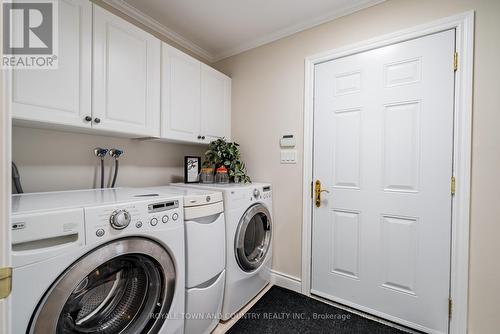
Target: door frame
5 187
464 26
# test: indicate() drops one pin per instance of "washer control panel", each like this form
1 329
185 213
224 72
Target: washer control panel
120 219
266 192
261 193
107 221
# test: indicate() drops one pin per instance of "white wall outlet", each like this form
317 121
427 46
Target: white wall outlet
288 156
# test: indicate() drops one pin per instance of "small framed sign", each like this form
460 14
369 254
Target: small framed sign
192 167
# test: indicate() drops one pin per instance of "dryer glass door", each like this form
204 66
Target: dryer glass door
125 286
253 237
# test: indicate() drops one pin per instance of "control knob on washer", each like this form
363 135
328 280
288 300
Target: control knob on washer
256 193
120 219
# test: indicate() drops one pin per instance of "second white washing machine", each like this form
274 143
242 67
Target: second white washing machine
248 210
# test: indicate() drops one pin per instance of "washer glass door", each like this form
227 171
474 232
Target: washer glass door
125 286
253 237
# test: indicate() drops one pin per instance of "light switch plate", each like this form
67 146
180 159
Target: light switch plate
288 156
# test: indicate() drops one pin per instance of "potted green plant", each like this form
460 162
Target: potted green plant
223 153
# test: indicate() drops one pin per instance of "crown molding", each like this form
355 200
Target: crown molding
274 36
151 23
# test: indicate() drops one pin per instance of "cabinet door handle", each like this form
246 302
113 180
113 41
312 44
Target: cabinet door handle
97 120
88 118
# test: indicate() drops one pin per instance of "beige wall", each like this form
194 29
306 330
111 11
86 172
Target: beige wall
268 101
51 160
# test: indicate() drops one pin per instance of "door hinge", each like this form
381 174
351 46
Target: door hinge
5 282
312 189
453 185
450 307
455 61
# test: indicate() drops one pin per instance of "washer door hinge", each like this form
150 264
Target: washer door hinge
5 282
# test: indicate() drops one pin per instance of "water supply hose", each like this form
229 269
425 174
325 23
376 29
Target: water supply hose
16 179
116 174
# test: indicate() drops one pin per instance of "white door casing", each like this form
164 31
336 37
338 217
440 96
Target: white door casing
180 95
383 147
5 186
5 194
61 96
126 76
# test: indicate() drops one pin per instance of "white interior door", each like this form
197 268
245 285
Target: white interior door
383 142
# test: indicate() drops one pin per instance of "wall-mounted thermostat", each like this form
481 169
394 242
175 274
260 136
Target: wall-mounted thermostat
287 141
288 154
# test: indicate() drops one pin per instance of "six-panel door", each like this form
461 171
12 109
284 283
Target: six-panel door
383 139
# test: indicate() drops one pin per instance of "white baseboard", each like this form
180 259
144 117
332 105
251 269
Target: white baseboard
286 281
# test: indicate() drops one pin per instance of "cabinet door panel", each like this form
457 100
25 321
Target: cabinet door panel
126 76
180 95
61 96
215 104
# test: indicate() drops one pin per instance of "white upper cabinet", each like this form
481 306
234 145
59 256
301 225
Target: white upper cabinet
195 99
180 95
61 96
126 77
215 104
115 78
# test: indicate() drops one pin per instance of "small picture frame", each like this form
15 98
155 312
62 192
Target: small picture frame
192 167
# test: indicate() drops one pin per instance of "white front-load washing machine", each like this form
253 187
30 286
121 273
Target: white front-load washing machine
248 210
97 261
